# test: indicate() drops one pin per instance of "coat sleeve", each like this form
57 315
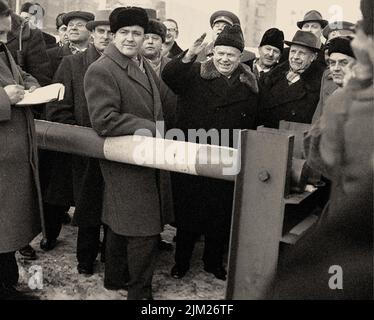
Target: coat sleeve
177 75
63 111
5 112
28 80
104 105
36 59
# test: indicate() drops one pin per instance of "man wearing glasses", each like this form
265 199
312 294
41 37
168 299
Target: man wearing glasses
57 178
78 36
87 179
170 47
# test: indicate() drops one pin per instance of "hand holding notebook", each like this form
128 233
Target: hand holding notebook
42 95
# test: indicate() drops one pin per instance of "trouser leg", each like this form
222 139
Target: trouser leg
213 251
8 269
116 268
53 223
142 253
184 248
88 244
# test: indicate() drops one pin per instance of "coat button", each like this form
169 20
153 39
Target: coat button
244 114
293 113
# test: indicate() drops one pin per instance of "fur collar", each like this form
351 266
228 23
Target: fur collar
208 71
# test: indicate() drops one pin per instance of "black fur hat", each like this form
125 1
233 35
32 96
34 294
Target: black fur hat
231 37
128 16
158 28
341 45
273 37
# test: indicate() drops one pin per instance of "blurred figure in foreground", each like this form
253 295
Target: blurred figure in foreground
336 260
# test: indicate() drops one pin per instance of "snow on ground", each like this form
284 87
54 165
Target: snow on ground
61 280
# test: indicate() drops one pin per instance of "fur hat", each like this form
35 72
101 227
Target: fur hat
128 16
158 28
87 16
341 45
273 37
231 37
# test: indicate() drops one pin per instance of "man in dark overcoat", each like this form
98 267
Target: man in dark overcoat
335 262
291 91
78 37
270 51
220 93
87 179
56 177
123 97
31 52
20 195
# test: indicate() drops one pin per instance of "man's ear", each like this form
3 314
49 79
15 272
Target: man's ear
315 56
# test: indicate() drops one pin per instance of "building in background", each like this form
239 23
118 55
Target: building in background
256 17
52 8
158 7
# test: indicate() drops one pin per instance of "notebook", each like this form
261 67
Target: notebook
53 92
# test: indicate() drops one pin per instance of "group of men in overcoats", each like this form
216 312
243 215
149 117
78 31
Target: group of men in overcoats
118 81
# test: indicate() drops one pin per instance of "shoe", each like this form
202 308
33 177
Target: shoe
28 253
65 218
163 245
116 287
219 272
11 293
48 244
85 269
178 273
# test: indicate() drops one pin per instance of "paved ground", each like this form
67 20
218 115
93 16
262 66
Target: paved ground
61 280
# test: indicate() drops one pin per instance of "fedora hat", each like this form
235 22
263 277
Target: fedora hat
102 19
305 39
313 16
87 16
337 26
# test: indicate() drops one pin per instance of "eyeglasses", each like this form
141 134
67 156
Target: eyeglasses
78 25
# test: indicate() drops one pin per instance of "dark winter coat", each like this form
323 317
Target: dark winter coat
57 179
34 51
55 56
174 51
121 100
296 102
86 174
207 100
50 41
328 87
20 196
344 238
